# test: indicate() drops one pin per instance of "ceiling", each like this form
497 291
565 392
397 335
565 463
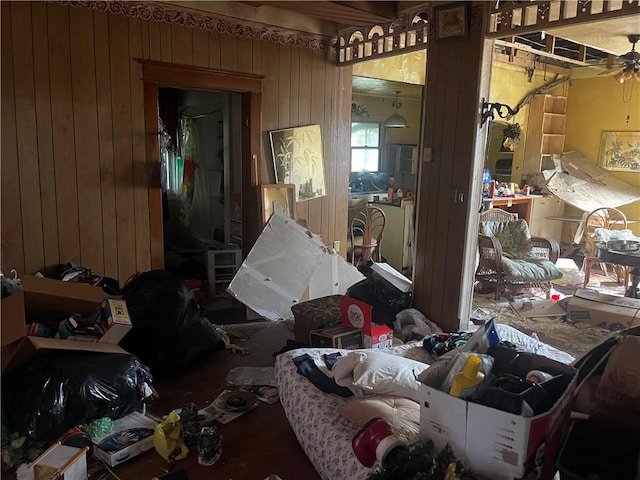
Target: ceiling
607 35
376 87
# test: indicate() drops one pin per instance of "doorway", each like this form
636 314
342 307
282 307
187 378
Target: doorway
384 160
202 202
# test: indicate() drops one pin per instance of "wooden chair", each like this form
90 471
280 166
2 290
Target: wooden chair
510 259
609 219
366 230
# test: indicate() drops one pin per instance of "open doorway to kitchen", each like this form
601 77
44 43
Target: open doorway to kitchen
385 137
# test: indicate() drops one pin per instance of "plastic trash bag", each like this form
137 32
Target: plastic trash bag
385 298
44 397
169 328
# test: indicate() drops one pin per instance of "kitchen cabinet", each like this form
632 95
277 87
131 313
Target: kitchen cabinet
545 131
397 241
541 226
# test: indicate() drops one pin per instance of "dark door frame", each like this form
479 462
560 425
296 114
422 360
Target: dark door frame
156 75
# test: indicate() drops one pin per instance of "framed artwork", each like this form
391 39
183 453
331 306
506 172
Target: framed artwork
620 151
451 21
297 160
282 194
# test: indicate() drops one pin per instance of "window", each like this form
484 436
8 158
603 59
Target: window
365 147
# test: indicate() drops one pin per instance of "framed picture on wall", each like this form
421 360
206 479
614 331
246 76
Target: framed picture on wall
283 194
451 21
620 151
297 159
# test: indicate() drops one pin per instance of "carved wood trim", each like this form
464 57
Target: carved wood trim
509 17
210 22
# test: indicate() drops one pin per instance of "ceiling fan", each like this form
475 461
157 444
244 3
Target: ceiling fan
630 63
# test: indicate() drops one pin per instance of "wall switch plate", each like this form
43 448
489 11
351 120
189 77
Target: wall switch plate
336 245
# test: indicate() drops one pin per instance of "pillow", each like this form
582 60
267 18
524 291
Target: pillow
371 372
401 413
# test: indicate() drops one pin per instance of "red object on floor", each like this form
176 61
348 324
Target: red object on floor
366 441
196 287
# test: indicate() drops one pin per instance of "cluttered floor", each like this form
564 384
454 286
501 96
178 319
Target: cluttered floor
547 319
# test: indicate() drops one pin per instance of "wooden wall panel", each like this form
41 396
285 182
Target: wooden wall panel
214 50
229 52
200 48
73 130
316 117
451 106
270 110
140 180
155 49
105 143
181 45
25 111
85 124
122 142
11 218
46 163
165 42
63 133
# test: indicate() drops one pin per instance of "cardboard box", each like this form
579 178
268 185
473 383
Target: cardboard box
605 311
380 336
61 462
494 443
42 295
337 337
116 317
131 436
12 318
357 314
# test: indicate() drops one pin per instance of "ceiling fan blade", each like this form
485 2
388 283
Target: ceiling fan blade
608 71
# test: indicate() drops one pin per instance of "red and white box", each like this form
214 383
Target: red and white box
355 313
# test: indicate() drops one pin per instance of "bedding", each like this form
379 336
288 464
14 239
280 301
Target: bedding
323 432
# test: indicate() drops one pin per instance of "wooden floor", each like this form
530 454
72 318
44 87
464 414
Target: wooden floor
257 444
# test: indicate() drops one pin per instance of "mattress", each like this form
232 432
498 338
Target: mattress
323 433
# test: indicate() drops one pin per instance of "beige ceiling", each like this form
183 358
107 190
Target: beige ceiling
606 35
377 87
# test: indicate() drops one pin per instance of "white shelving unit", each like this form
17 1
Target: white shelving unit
222 265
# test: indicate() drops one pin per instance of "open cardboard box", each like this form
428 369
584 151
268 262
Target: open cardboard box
606 311
41 295
494 443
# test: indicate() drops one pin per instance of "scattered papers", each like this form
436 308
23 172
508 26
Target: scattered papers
265 393
251 376
216 411
537 308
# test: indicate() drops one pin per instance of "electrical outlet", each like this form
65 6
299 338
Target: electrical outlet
336 245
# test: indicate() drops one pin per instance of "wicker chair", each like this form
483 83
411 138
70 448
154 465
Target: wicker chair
510 259
608 219
365 235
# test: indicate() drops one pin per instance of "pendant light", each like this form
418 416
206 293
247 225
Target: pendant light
396 120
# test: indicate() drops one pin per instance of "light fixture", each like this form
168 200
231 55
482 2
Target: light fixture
396 120
627 74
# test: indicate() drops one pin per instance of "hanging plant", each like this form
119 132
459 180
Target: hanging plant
512 134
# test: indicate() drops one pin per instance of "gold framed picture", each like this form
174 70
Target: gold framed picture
451 21
297 159
620 151
283 194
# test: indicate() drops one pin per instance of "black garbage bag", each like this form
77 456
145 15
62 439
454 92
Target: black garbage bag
44 397
169 327
384 297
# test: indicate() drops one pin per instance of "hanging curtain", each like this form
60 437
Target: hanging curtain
189 148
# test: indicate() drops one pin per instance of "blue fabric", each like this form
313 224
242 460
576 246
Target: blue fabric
307 368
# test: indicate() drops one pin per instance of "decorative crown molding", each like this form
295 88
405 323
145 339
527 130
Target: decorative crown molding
218 23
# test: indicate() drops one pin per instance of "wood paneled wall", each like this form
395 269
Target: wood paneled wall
448 188
74 182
